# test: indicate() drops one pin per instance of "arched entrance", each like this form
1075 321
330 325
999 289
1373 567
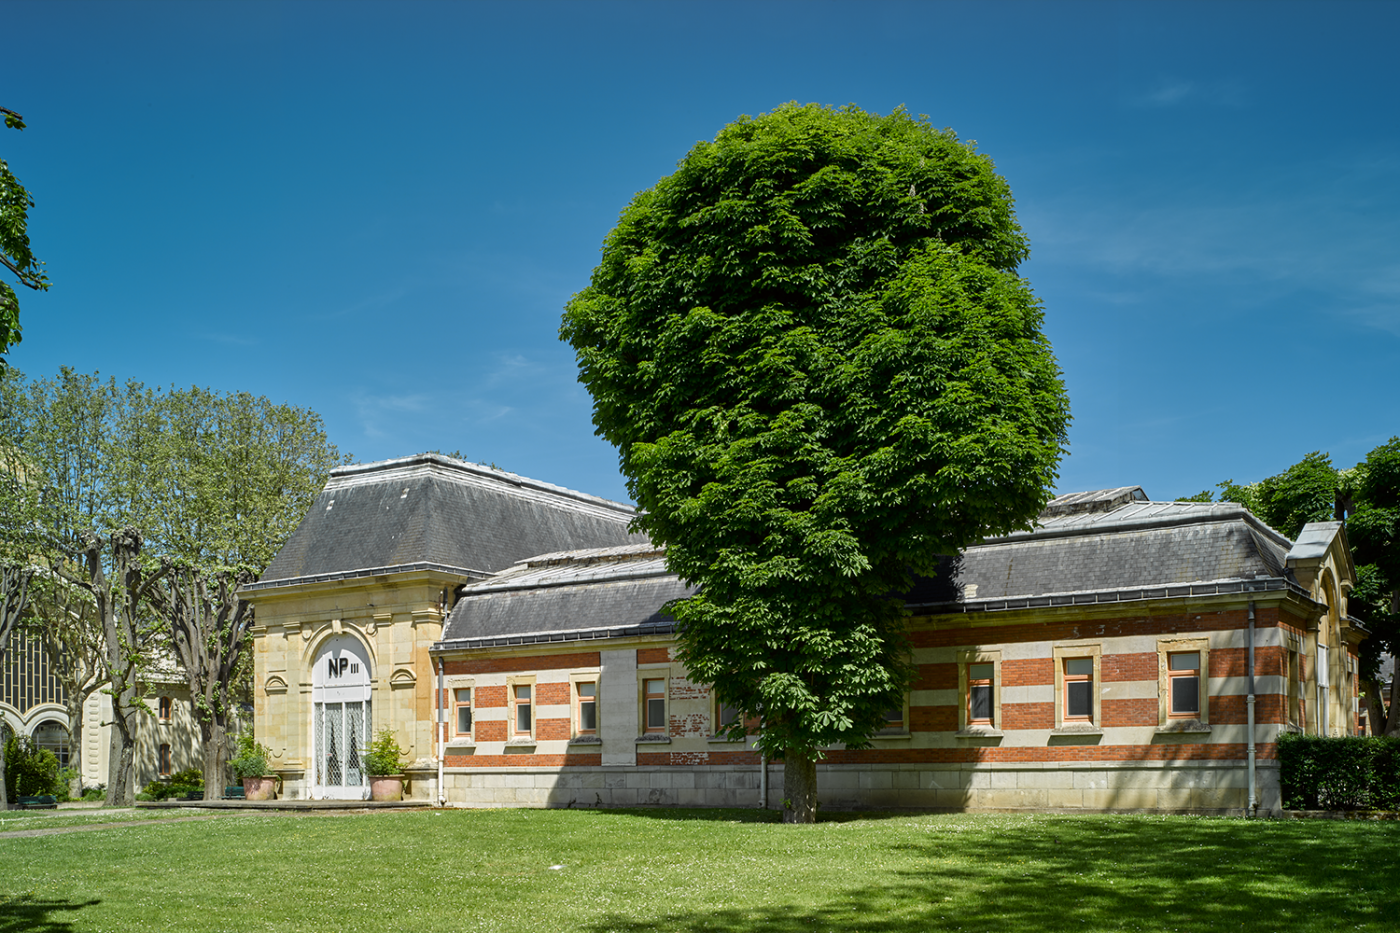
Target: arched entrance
341 720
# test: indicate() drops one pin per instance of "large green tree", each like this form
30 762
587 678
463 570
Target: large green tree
821 371
15 254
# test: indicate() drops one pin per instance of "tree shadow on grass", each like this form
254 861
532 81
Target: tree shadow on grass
1073 874
25 913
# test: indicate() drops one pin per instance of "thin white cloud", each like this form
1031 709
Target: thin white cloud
1171 91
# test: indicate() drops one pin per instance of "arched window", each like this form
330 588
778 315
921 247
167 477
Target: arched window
53 736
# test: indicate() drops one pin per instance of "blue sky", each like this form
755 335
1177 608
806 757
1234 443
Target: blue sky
378 210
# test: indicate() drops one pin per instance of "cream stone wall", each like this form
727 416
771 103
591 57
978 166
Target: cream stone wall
397 617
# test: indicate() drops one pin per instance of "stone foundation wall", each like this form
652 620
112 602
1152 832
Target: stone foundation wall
1213 787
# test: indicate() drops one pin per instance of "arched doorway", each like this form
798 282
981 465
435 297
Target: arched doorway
341 721
53 736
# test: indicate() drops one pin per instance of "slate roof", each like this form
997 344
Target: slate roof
1137 549
431 511
571 596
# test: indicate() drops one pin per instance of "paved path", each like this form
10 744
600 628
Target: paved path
87 827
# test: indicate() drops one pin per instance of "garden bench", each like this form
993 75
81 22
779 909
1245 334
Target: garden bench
39 802
234 792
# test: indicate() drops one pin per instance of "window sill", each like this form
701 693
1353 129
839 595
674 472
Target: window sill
653 740
461 743
1084 728
521 743
724 740
1183 727
978 732
585 740
891 736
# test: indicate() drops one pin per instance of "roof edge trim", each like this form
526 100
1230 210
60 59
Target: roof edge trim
365 572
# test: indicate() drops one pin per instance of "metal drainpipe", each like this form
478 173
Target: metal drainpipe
437 727
1253 807
763 780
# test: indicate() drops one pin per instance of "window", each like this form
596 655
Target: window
1078 701
164 714
1079 690
725 715
654 704
979 690
165 761
895 721
587 697
463 699
1184 685
524 709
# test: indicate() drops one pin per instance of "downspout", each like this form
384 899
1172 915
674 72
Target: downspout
763 780
1253 807
438 728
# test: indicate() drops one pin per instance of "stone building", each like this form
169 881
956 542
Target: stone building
1101 661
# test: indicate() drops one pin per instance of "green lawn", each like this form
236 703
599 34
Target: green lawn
593 871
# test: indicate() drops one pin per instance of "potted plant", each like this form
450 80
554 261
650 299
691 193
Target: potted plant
251 766
382 763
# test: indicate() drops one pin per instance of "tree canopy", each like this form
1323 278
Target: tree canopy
151 505
821 371
15 253
1367 497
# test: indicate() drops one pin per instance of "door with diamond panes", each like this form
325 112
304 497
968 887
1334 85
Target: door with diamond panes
340 720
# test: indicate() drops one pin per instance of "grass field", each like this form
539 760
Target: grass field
594 871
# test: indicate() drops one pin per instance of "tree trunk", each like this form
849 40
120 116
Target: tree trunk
1375 709
121 760
1392 722
799 788
214 734
4 794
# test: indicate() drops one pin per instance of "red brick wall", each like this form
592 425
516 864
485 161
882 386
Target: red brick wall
1118 667
653 655
933 718
937 677
549 729
489 697
1028 673
1028 715
1130 712
545 662
552 694
569 759
491 730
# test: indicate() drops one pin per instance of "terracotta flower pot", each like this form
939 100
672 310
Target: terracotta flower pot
260 788
386 786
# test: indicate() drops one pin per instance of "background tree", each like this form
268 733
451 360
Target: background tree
15 254
64 619
140 486
1367 498
820 370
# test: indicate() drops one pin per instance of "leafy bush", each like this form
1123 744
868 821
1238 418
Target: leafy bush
384 754
65 778
29 769
1350 773
252 757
